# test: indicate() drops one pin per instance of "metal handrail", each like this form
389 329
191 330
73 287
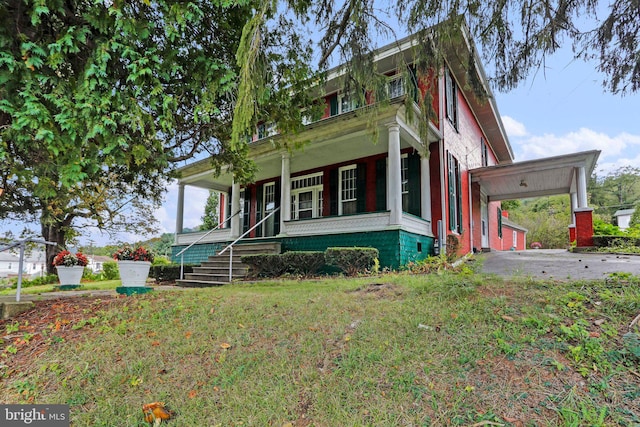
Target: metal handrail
230 246
181 253
21 244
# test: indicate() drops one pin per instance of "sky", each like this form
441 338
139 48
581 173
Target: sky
561 109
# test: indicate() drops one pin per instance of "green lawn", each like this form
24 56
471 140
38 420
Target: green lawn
391 350
40 289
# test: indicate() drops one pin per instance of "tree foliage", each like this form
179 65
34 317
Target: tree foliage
616 190
99 100
546 219
210 217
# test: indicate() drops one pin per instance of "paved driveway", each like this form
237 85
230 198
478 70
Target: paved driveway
558 264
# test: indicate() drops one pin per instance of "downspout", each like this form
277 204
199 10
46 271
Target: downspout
470 211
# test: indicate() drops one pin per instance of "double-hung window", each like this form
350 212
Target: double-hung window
306 196
404 177
396 87
455 194
346 102
348 191
451 97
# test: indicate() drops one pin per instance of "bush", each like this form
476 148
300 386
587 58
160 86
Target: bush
306 263
352 260
161 260
110 270
168 273
264 265
615 241
47 279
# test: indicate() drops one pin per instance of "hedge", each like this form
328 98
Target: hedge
168 273
611 241
306 263
264 265
352 260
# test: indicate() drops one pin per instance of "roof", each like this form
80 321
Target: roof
511 224
534 178
623 212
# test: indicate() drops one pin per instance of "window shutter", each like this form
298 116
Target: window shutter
500 223
361 187
414 183
451 185
333 191
246 215
381 184
333 103
459 196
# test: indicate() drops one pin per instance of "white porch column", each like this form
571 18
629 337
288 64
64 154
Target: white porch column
581 184
235 207
425 187
574 206
180 212
285 191
394 183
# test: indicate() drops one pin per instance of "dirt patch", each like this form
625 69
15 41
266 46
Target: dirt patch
50 322
379 290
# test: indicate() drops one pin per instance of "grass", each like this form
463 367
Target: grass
397 349
40 289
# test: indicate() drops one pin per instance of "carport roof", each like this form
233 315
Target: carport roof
534 178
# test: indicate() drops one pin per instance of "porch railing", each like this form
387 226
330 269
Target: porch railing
181 253
230 246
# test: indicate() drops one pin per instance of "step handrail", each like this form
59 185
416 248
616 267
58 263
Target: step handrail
181 253
21 244
230 245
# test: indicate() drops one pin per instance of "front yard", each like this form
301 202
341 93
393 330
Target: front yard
397 349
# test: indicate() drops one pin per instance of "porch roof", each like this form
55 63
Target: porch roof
534 178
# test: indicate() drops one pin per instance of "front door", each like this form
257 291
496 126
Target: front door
268 206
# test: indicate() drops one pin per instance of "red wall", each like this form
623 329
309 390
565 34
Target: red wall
507 238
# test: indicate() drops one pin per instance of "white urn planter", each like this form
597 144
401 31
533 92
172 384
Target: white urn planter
70 276
134 273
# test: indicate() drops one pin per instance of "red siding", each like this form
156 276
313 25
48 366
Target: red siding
434 177
507 239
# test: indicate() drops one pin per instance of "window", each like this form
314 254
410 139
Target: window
268 205
266 130
346 102
484 152
451 97
404 177
306 196
515 239
396 87
348 194
455 194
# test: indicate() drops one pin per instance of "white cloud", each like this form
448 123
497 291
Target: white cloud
513 127
613 148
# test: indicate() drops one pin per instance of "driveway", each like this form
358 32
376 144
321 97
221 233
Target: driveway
558 264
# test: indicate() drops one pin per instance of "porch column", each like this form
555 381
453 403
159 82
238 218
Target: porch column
581 185
285 191
235 207
574 206
425 186
180 213
394 183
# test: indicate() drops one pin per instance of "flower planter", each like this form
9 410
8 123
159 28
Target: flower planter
134 273
69 277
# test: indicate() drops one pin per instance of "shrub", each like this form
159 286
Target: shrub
47 279
264 265
306 263
161 260
615 241
110 270
352 260
168 273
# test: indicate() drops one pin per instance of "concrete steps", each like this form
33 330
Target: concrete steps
215 271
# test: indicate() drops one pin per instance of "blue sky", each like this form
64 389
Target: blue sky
558 110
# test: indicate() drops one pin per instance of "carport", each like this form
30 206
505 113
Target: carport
566 174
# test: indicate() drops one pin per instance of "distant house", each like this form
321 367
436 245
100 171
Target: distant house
33 265
514 236
623 216
96 262
406 194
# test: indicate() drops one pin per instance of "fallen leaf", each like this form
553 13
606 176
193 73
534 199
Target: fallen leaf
241 326
507 318
594 334
188 334
155 343
192 394
225 345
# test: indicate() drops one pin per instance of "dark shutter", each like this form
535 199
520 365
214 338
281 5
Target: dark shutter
246 215
333 192
451 185
259 212
361 187
500 223
333 103
228 223
276 216
381 184
459 196
413 172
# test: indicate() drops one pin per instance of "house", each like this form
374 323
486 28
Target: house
33 264
623 217
406 193
514 236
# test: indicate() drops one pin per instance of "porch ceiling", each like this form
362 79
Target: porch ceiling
534 178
